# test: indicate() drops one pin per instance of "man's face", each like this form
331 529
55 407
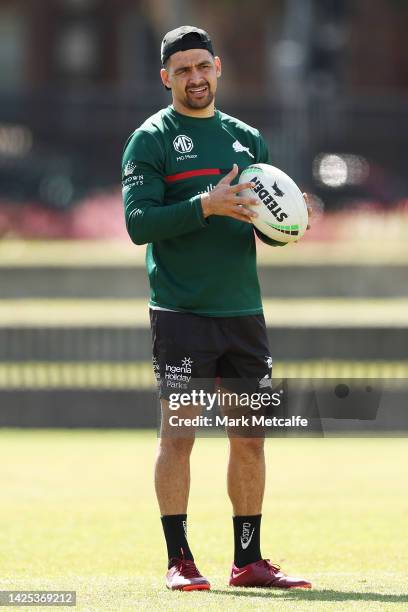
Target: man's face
192 77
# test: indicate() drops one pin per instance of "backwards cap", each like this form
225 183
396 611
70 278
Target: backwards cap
183 39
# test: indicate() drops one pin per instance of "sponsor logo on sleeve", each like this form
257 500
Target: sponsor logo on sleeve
130 177
134 180
129 168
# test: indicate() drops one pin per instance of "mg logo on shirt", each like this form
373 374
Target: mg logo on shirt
183 144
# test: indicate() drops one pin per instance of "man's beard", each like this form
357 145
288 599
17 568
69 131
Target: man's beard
191 102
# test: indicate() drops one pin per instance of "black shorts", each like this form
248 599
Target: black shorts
192 351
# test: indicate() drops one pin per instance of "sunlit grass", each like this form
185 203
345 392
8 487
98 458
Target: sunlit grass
78 512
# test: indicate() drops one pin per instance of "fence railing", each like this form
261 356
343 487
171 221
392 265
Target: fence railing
376 128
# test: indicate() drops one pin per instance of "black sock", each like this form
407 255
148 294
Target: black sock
175 532
247 534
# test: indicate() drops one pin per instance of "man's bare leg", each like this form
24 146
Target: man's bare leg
246 485
246 475
172 469
172 481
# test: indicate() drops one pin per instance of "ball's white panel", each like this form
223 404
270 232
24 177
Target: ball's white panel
282 213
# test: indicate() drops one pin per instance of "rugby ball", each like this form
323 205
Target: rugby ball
282 210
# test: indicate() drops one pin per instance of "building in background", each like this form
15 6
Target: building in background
325 80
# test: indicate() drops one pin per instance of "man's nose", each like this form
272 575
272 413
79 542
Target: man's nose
195 75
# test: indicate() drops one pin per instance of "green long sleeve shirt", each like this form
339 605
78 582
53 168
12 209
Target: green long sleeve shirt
197 265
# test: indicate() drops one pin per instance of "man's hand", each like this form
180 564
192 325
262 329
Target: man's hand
223 199
309 208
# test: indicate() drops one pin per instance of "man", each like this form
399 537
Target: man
205 308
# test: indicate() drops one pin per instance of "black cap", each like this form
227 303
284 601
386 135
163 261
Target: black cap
184 38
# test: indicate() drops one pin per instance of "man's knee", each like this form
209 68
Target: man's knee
247 446
181 447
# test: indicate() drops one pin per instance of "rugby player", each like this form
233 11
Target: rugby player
182 199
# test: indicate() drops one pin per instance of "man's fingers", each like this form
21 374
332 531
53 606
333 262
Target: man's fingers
244 211
241 187
226 180
309 208
241 201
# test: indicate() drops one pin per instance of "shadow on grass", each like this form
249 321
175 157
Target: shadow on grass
312 595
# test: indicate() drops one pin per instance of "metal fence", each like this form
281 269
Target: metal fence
120 357
89 157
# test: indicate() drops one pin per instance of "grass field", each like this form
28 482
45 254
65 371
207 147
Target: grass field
78 512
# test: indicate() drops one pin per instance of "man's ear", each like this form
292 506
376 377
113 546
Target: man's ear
164 75
217 63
